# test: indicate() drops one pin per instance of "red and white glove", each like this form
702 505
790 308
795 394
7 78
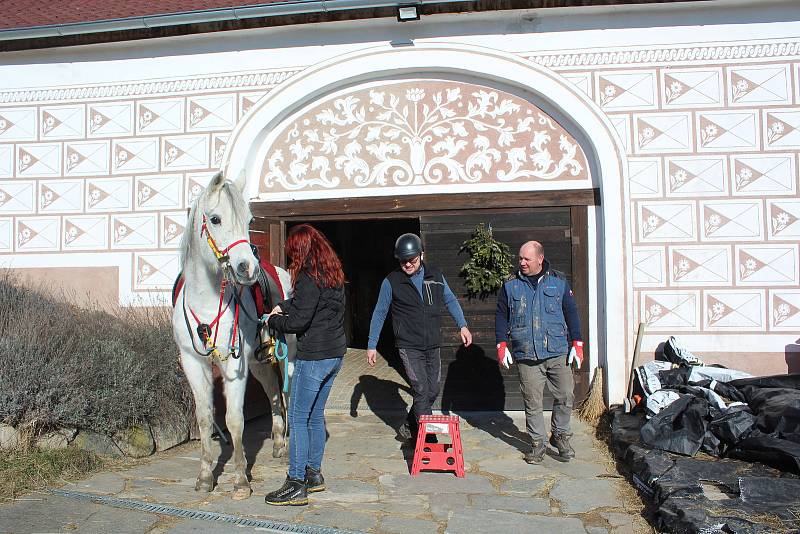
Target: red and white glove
575 357
503 355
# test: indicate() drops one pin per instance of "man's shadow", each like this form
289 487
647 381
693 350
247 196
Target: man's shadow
475 391
793 357
383 399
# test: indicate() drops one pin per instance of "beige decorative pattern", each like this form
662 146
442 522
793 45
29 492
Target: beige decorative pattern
784 219
741 310
693 176
696 88
728 131
155 270
173 226
38 234
670 311
419 133
18 124
86 232
668 55
627 90
648 267
644 177
713 135
151 88
768 85
659 133
732 220
17 196
700 266
764 174
771 265
785 310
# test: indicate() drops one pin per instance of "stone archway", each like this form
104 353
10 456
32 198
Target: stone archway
610 315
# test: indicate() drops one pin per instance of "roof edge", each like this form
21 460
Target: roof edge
275 14
299 7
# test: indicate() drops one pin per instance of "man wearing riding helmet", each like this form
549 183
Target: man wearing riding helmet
416 292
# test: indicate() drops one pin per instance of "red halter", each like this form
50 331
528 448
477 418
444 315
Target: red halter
222 255
205 333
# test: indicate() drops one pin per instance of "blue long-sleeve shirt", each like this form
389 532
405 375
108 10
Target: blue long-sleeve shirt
385 300
567 306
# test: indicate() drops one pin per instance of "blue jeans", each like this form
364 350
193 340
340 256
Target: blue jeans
311 385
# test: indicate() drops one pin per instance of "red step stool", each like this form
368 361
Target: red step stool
438 456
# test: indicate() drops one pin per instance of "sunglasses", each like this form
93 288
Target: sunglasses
411 261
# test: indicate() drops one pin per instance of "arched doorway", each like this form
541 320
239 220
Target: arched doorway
252 149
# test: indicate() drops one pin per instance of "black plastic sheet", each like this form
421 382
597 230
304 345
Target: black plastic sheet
765 429
705 494
678 428
733 425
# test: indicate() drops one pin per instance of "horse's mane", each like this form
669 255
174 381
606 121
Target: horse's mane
240 209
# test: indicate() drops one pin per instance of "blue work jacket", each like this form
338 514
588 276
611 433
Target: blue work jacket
537 329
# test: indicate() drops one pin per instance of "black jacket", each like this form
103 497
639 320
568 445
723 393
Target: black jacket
316 315
417 320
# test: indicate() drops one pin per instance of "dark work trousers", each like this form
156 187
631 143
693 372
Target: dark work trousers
424 370
533 375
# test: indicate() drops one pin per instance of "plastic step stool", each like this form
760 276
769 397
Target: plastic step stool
438 456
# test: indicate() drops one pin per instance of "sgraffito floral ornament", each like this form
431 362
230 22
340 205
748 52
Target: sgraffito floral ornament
419 133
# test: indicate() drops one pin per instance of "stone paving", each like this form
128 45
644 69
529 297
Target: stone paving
379 388
369 487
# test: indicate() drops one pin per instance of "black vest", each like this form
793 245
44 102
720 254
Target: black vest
416 320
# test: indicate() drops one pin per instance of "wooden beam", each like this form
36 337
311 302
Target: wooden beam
580 287
397 206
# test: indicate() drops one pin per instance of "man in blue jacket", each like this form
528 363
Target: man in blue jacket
537 326
416 292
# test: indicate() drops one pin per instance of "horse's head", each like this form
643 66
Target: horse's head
219 221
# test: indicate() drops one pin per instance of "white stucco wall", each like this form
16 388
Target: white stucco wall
607 72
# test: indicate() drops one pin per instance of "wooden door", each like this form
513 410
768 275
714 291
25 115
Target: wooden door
471 378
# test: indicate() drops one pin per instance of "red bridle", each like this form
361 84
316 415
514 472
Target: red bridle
222 255
206 328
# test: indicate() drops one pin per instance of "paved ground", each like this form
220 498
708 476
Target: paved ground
379 388
369 488
366 470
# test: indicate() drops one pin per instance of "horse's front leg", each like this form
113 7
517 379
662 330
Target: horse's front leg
198 374
234 419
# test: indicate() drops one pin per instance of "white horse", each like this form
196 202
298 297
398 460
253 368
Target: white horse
215 322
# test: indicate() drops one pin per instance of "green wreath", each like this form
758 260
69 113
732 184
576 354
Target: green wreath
489 264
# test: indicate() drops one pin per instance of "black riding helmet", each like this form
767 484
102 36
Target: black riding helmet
407 246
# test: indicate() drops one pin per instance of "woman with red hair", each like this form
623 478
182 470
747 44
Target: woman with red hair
316 314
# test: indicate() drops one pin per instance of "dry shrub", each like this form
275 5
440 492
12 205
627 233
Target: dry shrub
63 366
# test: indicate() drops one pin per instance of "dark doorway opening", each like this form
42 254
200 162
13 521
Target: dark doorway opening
471 378
366 248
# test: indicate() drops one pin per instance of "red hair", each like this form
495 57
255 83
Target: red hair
308 250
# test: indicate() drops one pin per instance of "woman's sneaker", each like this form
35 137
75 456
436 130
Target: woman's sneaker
314 480
292 493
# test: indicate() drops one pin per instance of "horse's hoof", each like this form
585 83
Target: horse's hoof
204 485
241 493
278 452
